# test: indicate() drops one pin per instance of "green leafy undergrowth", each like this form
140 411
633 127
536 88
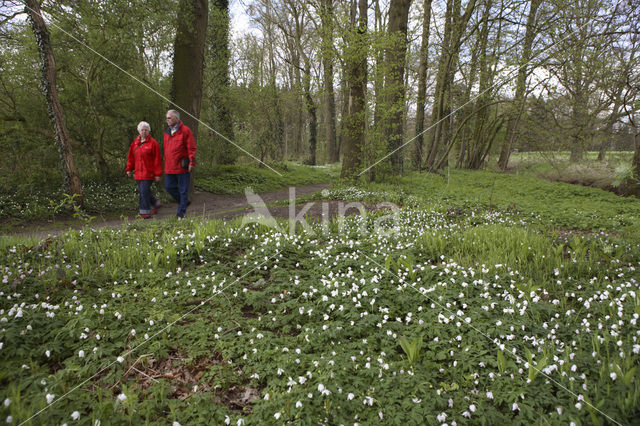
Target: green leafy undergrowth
546 205
234 179
429 316
100 197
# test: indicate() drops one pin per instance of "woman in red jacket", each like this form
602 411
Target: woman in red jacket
144 158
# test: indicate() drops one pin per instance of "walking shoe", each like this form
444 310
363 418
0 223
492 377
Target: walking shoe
180 216
155 210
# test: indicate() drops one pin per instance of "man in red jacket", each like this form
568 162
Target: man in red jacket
179 160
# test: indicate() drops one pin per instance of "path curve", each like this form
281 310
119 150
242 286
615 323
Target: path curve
203 204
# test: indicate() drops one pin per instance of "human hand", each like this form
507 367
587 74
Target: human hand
191 167
129 174
157 178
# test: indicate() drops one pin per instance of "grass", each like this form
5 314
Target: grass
234 179
555 166
486 298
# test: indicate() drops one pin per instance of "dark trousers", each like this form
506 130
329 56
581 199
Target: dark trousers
178 187
147 200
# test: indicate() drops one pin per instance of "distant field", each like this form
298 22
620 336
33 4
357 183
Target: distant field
551 165
543 156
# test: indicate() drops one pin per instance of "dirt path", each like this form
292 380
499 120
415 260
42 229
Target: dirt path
214 206
203 204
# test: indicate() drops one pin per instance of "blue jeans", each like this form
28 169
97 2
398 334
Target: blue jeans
147 200
178 187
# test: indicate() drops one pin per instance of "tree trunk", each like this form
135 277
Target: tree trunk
356 65
395 59
635 162
375 132
311 112
422 84
327 67
608 129
188 64
188 60
477 142
219 55
520 95
455 25
578 125
344 111
72 181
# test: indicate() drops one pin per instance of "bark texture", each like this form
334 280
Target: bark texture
49 75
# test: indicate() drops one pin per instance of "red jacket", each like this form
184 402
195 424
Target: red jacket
180 145
144 158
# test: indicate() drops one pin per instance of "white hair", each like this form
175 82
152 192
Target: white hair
142 125
174 113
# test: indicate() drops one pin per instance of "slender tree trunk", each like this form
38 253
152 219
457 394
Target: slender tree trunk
520 95
477 141
98 148
635 162
578 124
439 94
375 132
394 79
344 111
608 130
72 181
356 64
311 108
327 67
422 84
455 25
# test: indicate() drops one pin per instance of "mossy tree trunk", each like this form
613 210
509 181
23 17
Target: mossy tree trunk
188 60
422 85
395 58
188 63
356 70
327 20
218 90
72 181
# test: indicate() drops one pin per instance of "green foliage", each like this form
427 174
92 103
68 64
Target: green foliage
234 179
100 197
411 350
506 319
